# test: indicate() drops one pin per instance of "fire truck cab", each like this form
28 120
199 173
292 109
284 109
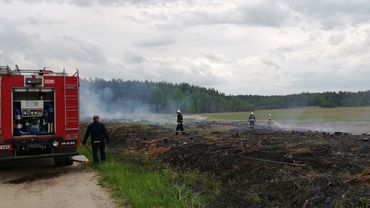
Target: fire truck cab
39 114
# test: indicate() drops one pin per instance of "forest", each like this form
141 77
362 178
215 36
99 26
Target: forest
164 97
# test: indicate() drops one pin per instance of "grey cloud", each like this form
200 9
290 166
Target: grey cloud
103 2
33 1
270 63
333 13
167 26
173 70
217 58
72 48
82 2
12 38
265 14
343 52
145 3
197 75
37 50
37 19
124 2
336 39
330 7
5 58
154 42
269 14
332 80
14 44
133 58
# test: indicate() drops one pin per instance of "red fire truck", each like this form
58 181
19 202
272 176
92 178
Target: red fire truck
39 114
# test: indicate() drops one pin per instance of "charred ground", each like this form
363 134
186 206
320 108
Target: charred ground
259 167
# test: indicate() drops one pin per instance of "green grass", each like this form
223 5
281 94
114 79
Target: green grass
309 114
139 182
139 187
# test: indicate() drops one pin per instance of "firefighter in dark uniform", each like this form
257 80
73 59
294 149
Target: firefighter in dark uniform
99 138
180 125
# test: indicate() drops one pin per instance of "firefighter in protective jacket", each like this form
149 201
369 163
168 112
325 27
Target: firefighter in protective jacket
251 119
180 125
99 138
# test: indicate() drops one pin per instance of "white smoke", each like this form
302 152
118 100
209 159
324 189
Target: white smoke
99 102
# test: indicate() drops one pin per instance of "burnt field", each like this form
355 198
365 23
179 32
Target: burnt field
260 167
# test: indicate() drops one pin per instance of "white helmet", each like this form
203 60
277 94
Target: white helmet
252 113
178 111
269 115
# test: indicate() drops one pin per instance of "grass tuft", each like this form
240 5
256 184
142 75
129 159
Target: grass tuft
134 183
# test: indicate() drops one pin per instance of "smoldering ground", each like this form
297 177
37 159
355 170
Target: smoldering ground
257 167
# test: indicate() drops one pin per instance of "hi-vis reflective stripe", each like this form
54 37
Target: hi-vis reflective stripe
5 147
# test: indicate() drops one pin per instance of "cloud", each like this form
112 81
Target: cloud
260 13
82 2
32 48
316 64
217 58
332 13
33 1
198 71
154 42
72 48
87 3
133 58
38 19
236 46
273 13
267 13
14 39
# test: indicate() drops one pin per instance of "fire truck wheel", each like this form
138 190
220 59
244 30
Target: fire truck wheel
63 161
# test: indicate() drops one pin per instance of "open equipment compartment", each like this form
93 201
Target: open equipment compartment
33 111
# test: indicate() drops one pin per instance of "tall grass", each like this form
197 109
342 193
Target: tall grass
135 183
138 187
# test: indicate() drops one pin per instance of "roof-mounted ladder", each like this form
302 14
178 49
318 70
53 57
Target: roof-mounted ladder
71 95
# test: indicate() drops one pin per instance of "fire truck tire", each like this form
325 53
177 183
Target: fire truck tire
63 161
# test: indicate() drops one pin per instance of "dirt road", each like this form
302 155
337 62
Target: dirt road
38 184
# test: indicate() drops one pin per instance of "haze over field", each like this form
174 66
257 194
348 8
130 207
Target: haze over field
237 47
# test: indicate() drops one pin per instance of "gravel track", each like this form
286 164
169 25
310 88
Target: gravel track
39 184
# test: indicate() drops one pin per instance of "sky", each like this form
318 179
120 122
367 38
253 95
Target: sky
260 47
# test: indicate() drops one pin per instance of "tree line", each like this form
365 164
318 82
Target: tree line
164 97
